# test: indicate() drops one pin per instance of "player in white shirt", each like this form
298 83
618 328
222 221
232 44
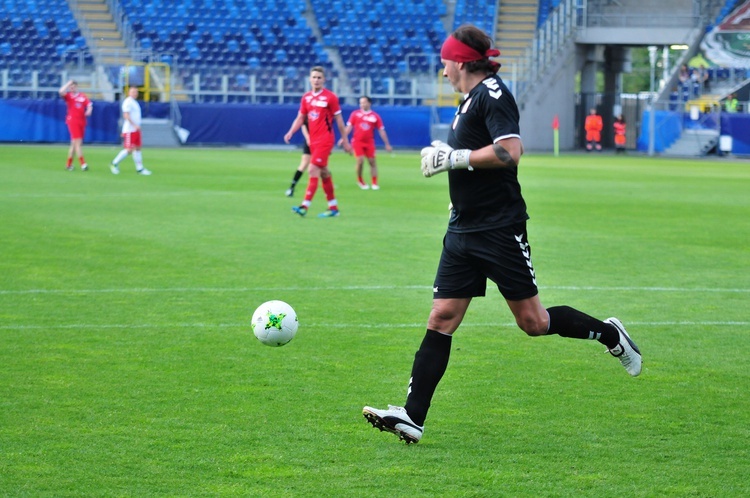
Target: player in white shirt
131 134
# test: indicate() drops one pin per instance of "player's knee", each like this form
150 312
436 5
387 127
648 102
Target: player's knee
444 319
533 324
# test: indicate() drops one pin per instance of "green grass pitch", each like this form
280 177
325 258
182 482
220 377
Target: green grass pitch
128 367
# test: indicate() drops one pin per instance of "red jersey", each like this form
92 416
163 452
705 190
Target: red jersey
77 104
364 125
320 110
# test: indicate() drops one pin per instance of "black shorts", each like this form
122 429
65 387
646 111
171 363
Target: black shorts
306 149
502 255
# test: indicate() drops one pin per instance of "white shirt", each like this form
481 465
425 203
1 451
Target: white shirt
133 108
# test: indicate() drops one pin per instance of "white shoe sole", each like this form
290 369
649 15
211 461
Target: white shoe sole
402 429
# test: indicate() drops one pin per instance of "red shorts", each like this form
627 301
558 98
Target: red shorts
77 129
320 152
131 140
366 149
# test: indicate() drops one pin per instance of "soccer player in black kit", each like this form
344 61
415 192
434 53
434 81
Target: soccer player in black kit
486 237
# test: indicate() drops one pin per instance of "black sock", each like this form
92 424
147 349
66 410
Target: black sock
297 176
429 366
569 322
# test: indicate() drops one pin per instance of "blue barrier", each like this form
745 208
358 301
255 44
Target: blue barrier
38 121
668 130
26 120
738 127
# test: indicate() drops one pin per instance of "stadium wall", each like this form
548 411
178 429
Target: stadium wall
27 120
738 127
669 126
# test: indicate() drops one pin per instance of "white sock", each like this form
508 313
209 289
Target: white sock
138 160
120 157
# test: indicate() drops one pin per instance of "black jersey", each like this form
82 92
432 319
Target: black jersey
485 198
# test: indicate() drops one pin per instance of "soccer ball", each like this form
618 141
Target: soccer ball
274 323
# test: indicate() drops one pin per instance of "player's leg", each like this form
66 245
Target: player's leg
69 160
126 148
373 171
136 144
303 164
78 146
516 280
359 155
320 154
333 205
360 161
312 186
569 322
71 149
457 281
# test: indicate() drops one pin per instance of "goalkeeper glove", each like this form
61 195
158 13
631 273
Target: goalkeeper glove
441 157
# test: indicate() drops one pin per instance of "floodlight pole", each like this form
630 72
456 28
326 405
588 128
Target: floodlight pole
652 100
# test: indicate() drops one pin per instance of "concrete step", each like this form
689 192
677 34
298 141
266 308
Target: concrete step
92 7
512 44
109 43
158 133
102 26
115 60
517 9
96 16
693 143
105 34
516 34
518 18
511 52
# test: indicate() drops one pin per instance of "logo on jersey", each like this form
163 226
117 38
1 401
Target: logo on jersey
495 91
313 115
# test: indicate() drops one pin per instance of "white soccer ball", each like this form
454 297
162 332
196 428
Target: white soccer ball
275 323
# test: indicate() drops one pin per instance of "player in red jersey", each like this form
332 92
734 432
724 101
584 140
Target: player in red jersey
321 107
364 122
79 108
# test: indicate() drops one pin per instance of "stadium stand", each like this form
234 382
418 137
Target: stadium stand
38 38
220 49
268 45
239 39
384 40
481 13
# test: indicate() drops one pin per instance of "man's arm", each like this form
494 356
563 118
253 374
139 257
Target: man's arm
347 131
502 153
64 89
89 109
384 136
441 157
126 117
296 124
344 135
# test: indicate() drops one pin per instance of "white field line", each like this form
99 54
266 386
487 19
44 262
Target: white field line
144 290
353 326
343 288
